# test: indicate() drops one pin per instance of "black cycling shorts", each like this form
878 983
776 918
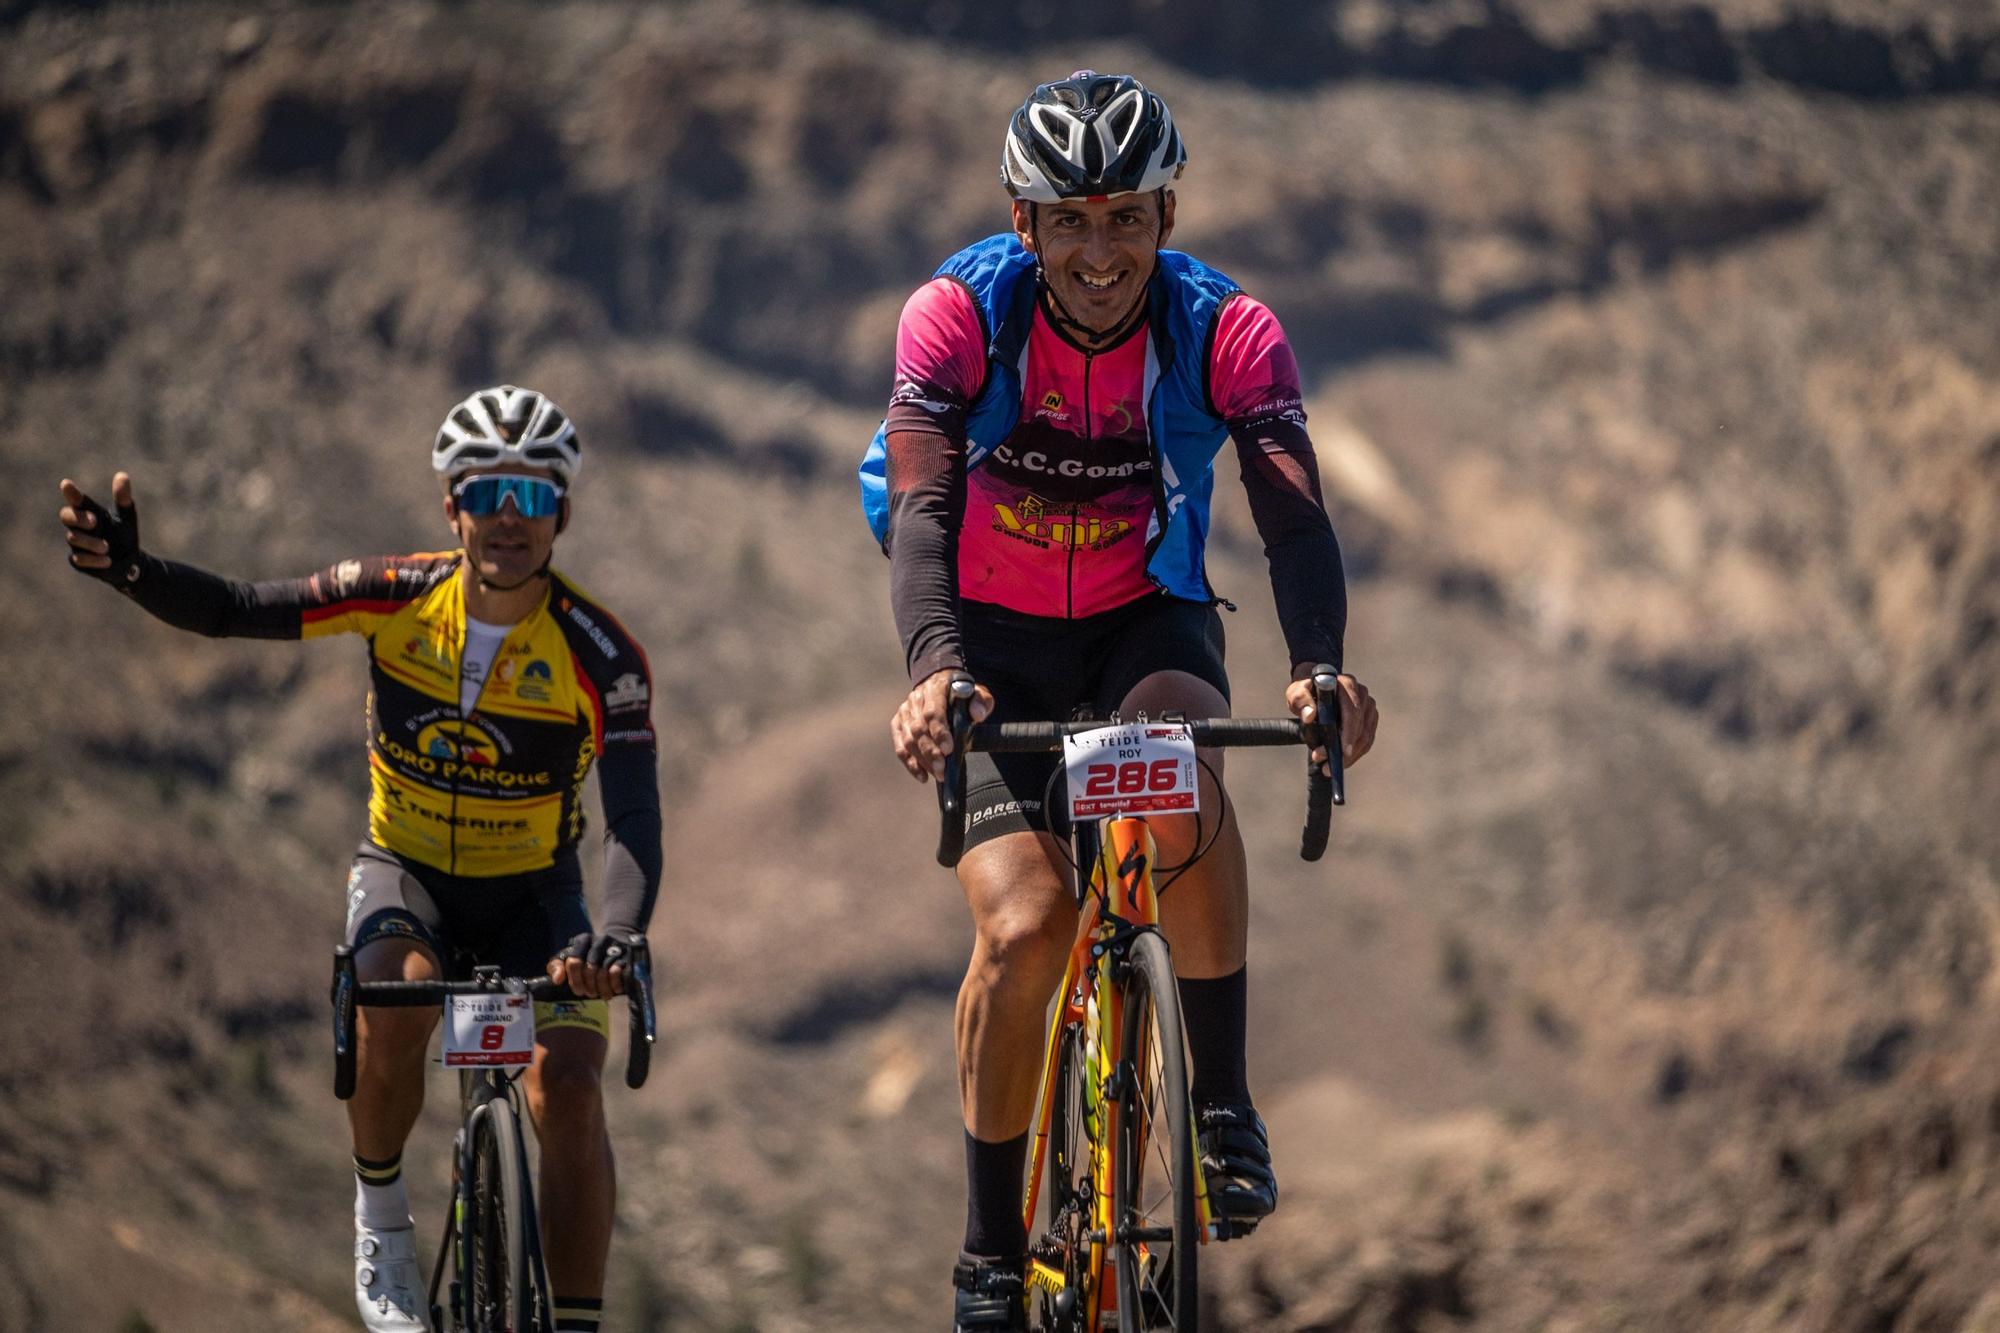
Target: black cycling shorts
1044 669
516 922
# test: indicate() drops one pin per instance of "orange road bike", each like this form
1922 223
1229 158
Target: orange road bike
1116 1207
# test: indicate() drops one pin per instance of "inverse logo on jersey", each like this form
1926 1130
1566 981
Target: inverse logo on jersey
628 690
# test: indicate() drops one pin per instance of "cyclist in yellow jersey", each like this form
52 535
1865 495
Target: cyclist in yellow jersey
496 685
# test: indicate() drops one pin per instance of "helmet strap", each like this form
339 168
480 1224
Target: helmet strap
491 586
1059 314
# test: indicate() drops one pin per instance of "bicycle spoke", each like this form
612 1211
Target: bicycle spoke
1156 1210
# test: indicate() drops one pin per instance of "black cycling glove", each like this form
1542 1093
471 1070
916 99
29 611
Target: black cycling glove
120 534
615 946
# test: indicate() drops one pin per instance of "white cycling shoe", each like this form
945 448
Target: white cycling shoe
388 1288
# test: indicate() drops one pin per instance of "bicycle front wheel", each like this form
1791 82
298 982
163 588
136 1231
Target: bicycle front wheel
1059 1246
494 1237
1153 1200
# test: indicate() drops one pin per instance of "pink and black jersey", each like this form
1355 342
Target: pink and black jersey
1055 520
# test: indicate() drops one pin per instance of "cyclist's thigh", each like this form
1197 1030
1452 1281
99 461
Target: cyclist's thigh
1170 660
1164 637
393 925
1036 673
1009 793
547 917
1017 885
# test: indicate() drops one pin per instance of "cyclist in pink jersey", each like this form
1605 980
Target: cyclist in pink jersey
1041 484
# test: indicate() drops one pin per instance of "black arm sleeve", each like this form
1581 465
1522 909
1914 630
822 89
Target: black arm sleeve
926 476
1281 478
628 783
194 599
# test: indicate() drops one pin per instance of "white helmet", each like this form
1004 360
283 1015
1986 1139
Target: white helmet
507 425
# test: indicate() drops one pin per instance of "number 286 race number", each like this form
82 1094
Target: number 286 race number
1143 768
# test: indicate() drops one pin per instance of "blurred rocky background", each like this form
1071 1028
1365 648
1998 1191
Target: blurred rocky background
1651 352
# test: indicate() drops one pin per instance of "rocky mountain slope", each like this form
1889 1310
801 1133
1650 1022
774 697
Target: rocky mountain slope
1651 980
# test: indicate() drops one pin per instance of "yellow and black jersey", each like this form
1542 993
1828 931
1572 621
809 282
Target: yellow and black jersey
498 790
494 791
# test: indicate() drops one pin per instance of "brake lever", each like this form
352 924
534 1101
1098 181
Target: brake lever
951 788
1326 710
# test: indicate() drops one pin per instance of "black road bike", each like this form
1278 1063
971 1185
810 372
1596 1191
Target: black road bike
499 1281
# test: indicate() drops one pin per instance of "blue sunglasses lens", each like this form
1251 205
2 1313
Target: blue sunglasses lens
533 497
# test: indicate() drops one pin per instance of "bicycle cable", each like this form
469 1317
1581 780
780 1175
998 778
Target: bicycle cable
1201 848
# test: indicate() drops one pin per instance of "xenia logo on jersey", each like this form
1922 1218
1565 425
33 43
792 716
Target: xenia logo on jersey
1032 523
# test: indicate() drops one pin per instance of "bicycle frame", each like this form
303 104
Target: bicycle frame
1118 905
1118 900
478 1090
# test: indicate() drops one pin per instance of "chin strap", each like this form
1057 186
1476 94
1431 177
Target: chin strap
491 586
1058 313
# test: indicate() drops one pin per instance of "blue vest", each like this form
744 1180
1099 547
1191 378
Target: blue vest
1186 432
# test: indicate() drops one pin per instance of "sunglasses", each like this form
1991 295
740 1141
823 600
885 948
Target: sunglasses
533 497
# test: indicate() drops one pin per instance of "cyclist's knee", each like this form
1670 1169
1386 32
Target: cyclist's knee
568 1086
396 958
395 1036
1181 691
1024 947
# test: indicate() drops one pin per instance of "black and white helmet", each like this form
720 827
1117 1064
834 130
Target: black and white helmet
1090 134
507 425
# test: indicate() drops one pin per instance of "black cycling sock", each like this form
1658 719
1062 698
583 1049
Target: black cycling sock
578 1313
1216 1012
993 1179
379 1173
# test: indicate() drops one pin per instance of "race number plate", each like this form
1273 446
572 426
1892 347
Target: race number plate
489 1030
1141 769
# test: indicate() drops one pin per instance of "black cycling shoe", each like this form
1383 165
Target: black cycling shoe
1236 1160
992 1296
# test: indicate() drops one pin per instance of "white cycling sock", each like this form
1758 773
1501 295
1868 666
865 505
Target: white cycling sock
380 1201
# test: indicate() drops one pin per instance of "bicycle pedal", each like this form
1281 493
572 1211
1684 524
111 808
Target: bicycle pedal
1234 1228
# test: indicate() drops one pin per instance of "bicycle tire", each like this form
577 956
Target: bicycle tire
495 1242
1061 1235
1153 1164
